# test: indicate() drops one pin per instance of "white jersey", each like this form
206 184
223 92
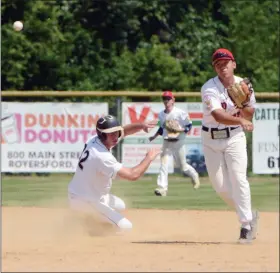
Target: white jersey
214 96
95 171
176 114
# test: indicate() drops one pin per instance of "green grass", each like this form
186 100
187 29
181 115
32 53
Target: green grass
47 190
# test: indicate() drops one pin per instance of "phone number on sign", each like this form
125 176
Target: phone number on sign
273 162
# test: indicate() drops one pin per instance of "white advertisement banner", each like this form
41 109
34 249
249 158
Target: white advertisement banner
46 137
266 139
134 147
134 154
140 112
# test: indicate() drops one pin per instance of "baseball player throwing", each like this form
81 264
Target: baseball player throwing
173 144
226 115
89 189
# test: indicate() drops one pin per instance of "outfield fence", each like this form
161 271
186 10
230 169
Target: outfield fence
184 94
61 139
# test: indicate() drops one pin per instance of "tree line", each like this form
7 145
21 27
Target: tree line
136 44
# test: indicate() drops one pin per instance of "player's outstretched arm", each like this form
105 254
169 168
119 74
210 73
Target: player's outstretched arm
133 128
136 172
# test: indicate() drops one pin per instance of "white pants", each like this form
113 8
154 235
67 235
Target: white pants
226 162
106 209
177 150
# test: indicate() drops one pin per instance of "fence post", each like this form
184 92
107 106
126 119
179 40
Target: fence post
119 117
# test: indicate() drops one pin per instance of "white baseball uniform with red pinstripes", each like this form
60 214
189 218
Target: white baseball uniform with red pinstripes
226 159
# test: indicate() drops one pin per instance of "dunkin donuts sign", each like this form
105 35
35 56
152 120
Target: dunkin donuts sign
32 133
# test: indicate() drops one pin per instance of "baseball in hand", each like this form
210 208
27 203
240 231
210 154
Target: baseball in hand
18 25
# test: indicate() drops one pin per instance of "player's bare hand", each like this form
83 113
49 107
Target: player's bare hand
247 125
149 125
153 153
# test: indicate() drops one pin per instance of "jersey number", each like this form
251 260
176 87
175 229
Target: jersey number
83 157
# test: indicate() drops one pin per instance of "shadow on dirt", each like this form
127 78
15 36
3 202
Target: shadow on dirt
182 243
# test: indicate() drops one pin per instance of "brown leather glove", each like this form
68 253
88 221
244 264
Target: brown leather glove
173 128
240 93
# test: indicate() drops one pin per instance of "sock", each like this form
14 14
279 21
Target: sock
246 225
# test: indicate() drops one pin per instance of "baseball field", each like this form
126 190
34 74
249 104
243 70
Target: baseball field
186 231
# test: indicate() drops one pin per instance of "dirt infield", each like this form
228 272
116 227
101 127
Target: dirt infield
47 239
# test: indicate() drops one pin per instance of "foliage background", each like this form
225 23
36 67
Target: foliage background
135 45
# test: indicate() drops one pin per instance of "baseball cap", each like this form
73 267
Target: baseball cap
168 94
222 54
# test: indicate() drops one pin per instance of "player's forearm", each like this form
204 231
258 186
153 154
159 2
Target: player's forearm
159 132
247 112
133 128
156 135
224 118
140 169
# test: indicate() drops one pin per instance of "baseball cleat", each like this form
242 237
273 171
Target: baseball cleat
195 182
245 236
160 192
191 172
254 224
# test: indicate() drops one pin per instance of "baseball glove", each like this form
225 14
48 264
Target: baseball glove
240 93
173 129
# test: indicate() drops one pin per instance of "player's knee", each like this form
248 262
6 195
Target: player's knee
224 193
120 205
227 197
124 224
